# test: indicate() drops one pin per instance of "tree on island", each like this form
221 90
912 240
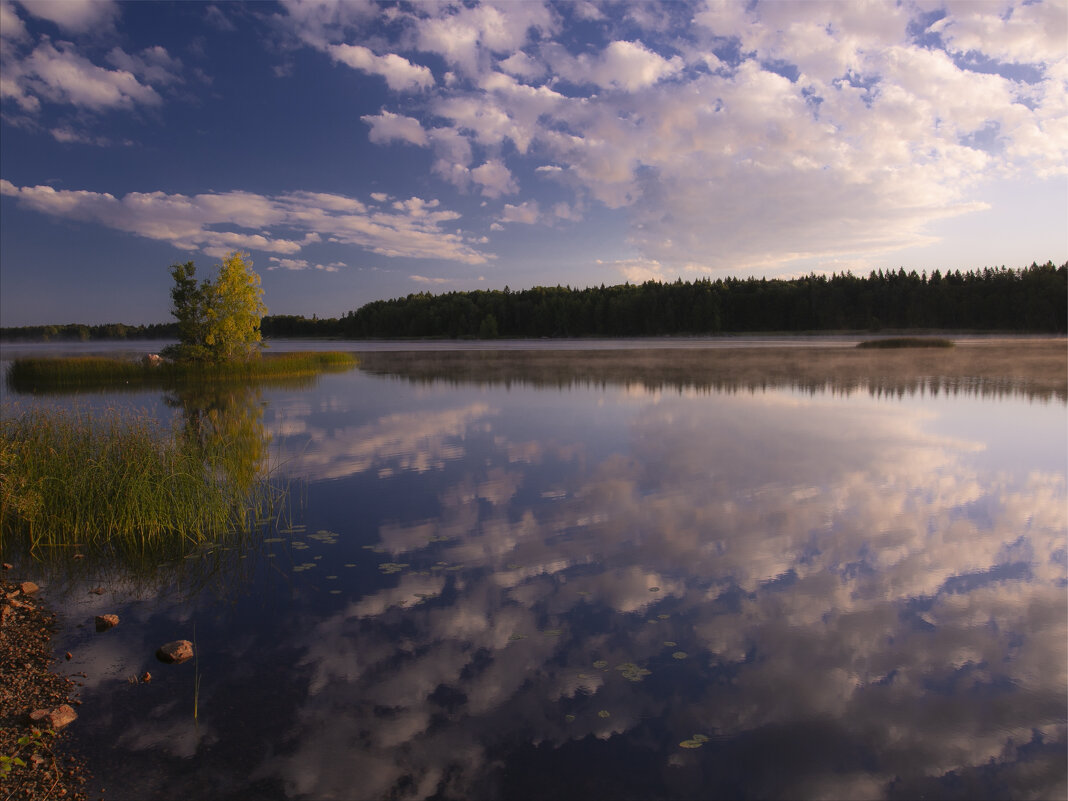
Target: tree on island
218 321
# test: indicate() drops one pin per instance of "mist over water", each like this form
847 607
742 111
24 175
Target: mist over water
623 575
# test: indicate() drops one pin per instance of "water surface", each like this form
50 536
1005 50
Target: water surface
567 576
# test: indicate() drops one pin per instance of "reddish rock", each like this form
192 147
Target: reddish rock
174 652
28 588
147 677
97 591
62 716
69 655
105 622
8 565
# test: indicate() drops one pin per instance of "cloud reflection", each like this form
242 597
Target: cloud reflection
820 563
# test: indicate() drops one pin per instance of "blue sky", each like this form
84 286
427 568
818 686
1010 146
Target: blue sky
360 150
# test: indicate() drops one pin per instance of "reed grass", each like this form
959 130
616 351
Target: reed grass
43 374
906 342
74 478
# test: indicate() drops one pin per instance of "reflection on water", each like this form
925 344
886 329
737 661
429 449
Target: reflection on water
622 588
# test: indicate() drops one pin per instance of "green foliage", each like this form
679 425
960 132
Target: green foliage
36 741
98 372
116 480
1031 299
218 321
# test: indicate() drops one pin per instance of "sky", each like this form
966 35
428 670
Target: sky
359 150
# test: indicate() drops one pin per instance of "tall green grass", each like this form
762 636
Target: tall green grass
74 478
43 374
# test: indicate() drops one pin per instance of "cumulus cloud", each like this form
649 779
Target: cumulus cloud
400 74
494 178
526 213
825 130
75 16
280 224
387 127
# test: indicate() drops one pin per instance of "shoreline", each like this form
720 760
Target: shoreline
29 682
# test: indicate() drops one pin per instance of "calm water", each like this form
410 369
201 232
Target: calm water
507 584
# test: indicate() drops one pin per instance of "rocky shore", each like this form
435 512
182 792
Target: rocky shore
36 703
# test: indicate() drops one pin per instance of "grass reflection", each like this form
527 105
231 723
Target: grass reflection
1032 368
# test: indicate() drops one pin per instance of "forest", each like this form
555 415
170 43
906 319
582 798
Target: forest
1031 299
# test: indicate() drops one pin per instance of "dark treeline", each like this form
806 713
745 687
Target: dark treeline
1032 299
75 332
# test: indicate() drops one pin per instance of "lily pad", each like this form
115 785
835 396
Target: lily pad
663 617
518 637
553 632
604 713
569 718
632 672
392 567
600 664
691 743
679 655
670 643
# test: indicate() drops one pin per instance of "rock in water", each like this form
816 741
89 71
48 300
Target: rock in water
105 622
174 652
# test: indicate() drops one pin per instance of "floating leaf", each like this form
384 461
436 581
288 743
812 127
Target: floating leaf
692 743
297 545
604 713
350 564
569 718
679 655
335 592
331 578
654 589
663 617
513 566
518 637
600 664
274 539
632 672
670 643
583 676
701 738
553 632
392 567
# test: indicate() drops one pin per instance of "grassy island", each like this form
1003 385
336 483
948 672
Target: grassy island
99 372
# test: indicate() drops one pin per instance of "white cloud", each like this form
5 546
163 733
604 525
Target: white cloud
466 36
494 178
625 65
153 66
400 74
60 75
526 213
75 16
387 127
414 230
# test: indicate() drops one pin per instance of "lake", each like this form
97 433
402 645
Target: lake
752 569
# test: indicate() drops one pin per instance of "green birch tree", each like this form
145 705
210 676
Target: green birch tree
218 321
